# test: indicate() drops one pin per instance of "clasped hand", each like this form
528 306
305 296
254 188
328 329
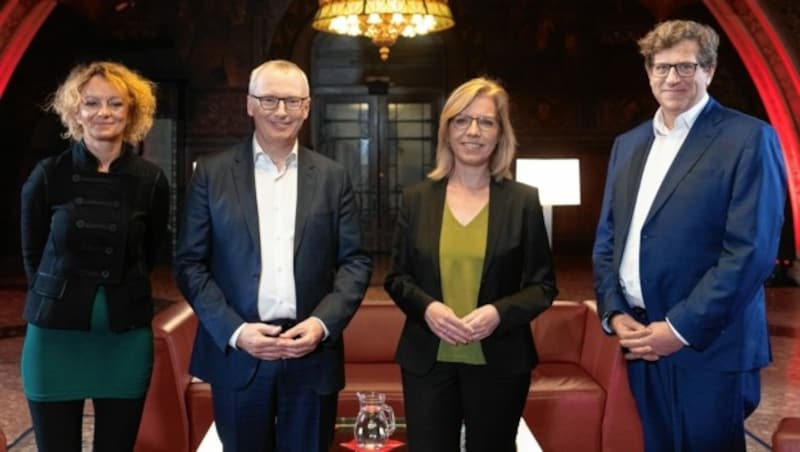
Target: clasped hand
447 326
648 342
266 342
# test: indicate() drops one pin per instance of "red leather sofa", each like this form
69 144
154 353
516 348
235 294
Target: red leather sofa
370 341
787 436
177 410
578 400
579 397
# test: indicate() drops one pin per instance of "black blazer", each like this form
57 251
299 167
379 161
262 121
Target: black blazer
517 273
82 229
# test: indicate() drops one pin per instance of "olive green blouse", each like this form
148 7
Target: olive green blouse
461 252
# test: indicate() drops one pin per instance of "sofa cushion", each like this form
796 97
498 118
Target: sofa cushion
165 424
558 332
602 358
370 340
563 400
559 379
373 333
360 377
200 410
787 436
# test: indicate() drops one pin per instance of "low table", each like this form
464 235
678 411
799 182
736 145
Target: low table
344 433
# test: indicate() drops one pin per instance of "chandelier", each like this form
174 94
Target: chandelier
383 21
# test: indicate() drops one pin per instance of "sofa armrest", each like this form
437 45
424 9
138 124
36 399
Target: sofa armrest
201 411
787 436
165 421
558 332
602 357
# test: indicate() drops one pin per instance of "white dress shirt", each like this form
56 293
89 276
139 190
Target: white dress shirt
276 198
665 148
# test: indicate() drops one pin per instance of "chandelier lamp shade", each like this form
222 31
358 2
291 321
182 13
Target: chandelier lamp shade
383 21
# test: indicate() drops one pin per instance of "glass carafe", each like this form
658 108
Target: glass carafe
374 422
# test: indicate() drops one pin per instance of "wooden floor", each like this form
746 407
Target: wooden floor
781 381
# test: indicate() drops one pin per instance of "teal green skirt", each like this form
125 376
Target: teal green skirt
59 365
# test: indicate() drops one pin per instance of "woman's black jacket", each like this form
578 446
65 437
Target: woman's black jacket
82 229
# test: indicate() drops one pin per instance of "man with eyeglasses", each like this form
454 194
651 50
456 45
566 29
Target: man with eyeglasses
688 233
270 258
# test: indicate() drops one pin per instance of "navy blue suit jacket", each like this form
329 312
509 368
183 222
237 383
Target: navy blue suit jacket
709 241
218 261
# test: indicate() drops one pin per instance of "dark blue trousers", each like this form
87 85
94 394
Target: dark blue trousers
692 410
278 411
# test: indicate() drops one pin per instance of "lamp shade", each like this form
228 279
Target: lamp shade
558 180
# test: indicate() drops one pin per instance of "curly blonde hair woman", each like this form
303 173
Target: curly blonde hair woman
136 91
93 218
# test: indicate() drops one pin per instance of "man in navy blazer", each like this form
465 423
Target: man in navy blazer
688 233
270 258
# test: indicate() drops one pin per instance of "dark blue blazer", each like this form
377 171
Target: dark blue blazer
709 241
218 261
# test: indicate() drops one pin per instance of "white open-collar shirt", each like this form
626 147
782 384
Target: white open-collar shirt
666 144
276 199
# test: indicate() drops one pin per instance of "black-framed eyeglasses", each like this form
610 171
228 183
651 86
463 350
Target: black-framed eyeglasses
271 102
485 123
683 69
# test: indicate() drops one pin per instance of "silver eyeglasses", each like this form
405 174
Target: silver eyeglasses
271 102
683 69
462 122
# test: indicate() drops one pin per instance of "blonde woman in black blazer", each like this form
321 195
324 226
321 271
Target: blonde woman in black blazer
468 358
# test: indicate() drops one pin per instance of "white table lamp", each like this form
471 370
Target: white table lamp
558 181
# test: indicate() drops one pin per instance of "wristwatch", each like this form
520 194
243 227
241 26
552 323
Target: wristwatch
605 321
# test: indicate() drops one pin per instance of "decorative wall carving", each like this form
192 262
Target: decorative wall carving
285 28
768 51
9 26
215 40
219 113
19 23
773 67
785 14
